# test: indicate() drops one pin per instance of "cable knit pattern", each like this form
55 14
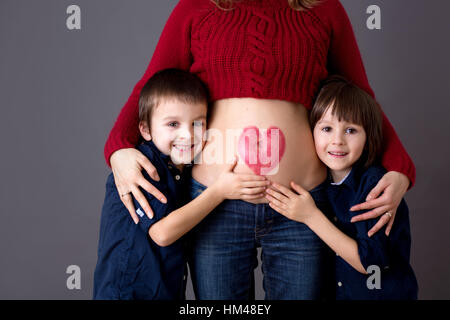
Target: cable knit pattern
249 48
261 49
261 32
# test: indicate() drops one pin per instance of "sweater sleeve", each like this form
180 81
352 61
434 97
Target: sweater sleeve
172 51
345 59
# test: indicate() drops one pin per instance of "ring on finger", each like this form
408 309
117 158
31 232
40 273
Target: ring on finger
389 214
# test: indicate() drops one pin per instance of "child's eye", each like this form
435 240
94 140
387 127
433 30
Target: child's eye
326 129
350 130
173 124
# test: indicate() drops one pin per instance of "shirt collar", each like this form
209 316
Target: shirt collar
156 151
165 158
351 179
340 182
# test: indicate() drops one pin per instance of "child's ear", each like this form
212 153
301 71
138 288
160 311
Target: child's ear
145 131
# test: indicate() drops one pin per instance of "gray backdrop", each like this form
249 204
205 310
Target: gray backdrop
61 90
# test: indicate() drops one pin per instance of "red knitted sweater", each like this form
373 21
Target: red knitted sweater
260 49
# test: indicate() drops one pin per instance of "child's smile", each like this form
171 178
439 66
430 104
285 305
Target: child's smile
183 147
337 154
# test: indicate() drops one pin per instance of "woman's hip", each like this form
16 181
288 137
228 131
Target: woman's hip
238 221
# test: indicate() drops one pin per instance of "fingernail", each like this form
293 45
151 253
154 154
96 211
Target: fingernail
369 198
370 234
163 200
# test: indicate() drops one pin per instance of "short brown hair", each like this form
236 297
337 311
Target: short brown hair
170 84
351 104
294 4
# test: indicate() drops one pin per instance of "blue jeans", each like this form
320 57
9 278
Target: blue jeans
296 264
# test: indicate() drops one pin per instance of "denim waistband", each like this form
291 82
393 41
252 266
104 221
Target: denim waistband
196 184
318 193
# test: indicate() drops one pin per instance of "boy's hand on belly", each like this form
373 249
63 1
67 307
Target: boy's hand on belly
298 206
235 186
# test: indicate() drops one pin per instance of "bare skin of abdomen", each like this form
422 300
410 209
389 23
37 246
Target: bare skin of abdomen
231 129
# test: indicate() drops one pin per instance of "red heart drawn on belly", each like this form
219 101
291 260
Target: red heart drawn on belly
261 152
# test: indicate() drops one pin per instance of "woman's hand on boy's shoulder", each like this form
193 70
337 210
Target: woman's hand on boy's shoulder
241 186
384 200
127 165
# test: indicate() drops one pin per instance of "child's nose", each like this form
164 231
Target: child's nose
186 133
338 139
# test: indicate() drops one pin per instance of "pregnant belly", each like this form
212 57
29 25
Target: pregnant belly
261 149
269 137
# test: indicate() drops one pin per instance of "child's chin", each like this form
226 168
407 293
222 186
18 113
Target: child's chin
181 160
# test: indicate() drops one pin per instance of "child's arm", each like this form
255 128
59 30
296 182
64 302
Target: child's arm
301 207
228 186
338 241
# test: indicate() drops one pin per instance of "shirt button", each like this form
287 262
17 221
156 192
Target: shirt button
335 219
177 177
340 284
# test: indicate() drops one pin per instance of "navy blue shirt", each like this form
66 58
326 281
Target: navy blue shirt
386 259
173 184
130 264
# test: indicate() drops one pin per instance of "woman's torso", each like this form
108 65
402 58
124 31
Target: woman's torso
227 120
